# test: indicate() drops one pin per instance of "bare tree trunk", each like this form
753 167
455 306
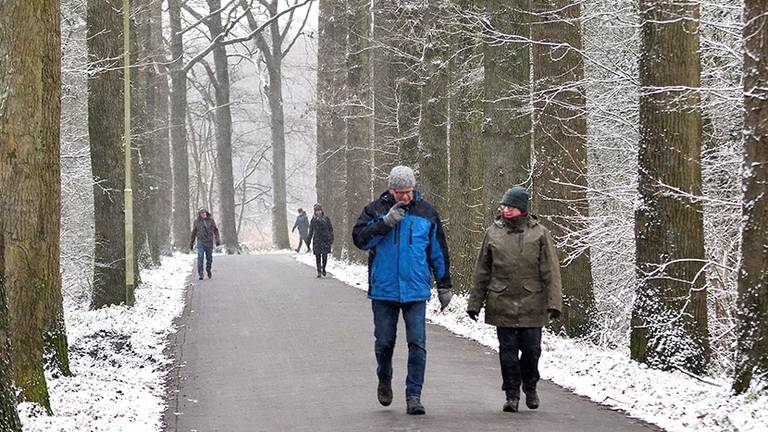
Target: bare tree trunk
507 85
30 90
331 127
560 146
752 357
433 116
226 217
9 417
465 224
669 319
359 117
280 239
105 126
181 211
157 154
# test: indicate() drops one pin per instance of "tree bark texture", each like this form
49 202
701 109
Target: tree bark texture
560 148
105 128
669 318
178 128
30 90
359 115
507 85
331 126
752 356
433 118
226 215
465 222
9 417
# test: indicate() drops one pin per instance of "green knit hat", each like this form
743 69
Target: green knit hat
516 197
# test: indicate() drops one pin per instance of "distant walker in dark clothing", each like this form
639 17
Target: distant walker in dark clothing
205 231
302 223
321 237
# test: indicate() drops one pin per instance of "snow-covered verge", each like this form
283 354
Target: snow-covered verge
672 400
119 360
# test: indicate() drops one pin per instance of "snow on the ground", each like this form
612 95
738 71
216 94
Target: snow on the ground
672 400
118 358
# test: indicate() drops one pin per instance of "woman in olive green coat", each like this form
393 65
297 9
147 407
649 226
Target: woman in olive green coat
517 279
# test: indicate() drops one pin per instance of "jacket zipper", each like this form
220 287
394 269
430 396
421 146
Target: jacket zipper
410 234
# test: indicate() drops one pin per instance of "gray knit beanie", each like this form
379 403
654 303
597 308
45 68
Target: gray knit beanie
401 177
516 197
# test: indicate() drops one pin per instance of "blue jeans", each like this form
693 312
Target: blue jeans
207 251
385 316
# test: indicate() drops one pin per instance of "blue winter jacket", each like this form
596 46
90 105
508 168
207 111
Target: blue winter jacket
402 260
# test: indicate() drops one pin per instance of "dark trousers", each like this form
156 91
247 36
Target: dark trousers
302 239
385 316
321 259
519 353
206 251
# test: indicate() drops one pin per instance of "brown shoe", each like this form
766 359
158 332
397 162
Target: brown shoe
511 405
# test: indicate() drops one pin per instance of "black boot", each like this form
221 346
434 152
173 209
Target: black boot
511 405
323 272
414 407
201 277
384 392
319 274
209 274
532 399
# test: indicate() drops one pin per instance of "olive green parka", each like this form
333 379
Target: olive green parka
517 276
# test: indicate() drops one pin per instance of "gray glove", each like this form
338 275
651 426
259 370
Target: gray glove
444 295
395 214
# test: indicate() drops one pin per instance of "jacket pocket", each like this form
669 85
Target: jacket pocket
533 286
496 286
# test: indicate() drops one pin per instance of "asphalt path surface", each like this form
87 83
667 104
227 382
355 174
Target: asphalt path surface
265 346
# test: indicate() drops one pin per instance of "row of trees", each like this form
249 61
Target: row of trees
164 67
607 130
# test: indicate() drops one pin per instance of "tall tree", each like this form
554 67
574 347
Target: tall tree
30 89
465 214
507 86
433 117
331 127
178 128
359 118
156 154
669 319
220 80
752 359
105 129
560 148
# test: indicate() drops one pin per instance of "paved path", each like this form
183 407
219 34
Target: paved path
265 346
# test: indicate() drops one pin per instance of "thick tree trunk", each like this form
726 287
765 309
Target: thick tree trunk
30 90
105 127
465 216
359 117
331 127
387 71
752 357
669 319
178 129
9 417
280 238
433 118
560 146
157 153
507 85
226 217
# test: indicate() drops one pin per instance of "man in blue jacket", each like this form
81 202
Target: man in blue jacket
407 249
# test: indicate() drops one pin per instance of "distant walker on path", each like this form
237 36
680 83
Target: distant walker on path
517 279
321 236
205 231
407 248
302 223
